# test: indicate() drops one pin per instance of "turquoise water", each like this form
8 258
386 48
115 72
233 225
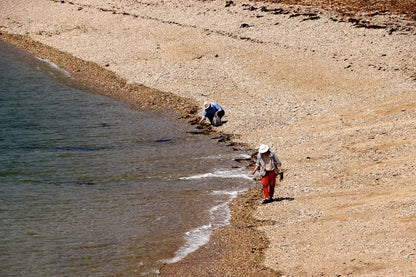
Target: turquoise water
89 187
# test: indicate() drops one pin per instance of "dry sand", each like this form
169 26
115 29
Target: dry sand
334 96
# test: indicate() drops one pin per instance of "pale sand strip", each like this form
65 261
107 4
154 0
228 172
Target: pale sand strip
337 103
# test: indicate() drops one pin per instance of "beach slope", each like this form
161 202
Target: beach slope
331 92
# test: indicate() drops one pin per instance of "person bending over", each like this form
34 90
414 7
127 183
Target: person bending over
214 112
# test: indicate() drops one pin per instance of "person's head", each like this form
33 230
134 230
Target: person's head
207 105
264 149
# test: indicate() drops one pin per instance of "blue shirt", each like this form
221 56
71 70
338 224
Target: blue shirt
214 107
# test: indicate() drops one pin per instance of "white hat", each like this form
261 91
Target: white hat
207 105
263 148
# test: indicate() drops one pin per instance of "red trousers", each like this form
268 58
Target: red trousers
268 181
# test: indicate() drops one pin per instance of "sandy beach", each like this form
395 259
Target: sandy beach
332 93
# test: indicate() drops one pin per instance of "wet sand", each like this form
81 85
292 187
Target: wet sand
332 94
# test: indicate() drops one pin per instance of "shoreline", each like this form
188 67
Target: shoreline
100 80
339 94
242 228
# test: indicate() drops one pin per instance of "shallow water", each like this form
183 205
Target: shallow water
89 187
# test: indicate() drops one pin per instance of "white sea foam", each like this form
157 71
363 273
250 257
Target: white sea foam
54 66
243 156
231 193
221 156
220 216
194 239
236 173
151 272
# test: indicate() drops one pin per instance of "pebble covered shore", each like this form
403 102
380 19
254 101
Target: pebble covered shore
332 93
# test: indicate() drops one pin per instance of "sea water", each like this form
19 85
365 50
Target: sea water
89 187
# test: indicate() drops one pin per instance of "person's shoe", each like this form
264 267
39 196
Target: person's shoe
270 199
265 201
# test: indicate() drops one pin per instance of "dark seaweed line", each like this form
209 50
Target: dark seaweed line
304 17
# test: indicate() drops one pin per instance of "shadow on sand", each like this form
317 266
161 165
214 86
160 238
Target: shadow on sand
279 199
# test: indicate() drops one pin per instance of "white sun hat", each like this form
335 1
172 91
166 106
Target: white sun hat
207 105
263 148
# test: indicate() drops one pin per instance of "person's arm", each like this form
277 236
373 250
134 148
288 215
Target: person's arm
203 117
255 169
277 163
217 108
257 164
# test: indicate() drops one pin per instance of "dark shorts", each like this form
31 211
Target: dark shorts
211 116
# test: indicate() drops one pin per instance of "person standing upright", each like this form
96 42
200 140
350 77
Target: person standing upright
269 165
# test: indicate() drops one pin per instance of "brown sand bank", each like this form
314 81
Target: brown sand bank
332 94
